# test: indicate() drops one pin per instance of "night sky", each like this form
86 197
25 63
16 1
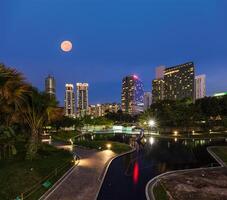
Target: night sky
111 39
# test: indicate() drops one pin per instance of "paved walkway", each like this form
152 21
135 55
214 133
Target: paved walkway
84 181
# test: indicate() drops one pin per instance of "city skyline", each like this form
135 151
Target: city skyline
108 46
113 99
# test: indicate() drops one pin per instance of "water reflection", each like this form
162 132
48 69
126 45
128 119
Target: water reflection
151 140
128 175
136 173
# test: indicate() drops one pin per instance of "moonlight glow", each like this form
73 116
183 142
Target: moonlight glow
66 46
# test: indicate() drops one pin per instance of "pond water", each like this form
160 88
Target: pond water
128 175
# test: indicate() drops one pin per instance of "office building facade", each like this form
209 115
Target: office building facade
132 96
180 82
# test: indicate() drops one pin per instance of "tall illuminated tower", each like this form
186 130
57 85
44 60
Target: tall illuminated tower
50 86
200 86
82 98
69 100
132 96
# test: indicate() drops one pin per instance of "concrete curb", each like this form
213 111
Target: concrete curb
222 163
152 183
107 167
59 181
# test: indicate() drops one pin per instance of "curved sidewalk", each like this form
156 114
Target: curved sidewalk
83 182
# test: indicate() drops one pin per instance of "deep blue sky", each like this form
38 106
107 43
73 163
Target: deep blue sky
113 38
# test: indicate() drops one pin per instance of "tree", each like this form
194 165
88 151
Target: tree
22 104
13 89
7 142
37 111
65 121
12 93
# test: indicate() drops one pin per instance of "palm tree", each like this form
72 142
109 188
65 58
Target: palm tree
12 93
22 103
38 111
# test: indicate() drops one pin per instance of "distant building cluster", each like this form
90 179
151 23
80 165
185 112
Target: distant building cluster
170 83
100 110
76 103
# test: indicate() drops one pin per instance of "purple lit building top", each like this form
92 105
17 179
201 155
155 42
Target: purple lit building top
132 96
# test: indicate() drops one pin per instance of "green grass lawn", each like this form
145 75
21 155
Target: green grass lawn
159 192
221 152
18 175
116 147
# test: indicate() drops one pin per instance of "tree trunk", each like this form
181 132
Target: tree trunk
33 144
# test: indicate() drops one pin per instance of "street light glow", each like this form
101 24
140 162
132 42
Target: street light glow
151 123
108 146
175 133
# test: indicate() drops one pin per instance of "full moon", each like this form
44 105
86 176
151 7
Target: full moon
66 46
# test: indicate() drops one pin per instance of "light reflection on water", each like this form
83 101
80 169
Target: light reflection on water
136 173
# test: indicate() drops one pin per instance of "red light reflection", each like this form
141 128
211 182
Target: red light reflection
136 173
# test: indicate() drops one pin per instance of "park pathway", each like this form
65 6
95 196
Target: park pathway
84 181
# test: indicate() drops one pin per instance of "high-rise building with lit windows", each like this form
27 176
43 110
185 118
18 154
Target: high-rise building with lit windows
50 86
82 98
180 82
132 96
200 86
69 100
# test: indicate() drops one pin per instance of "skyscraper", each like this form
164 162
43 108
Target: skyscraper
147 100
50 86
179 82
200 86
69 100
82 98
132 95
158 85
